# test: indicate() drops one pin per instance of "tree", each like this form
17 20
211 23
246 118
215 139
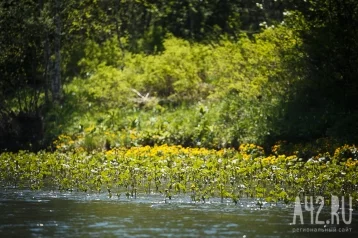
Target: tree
323 102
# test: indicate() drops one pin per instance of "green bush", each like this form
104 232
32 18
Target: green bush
218 95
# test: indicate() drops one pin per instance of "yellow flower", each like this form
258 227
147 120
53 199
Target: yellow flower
89 129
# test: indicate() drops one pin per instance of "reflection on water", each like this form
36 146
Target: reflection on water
49 214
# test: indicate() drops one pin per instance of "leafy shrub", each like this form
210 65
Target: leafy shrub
346 152
219 95
306 150
108 53
251 150
105 89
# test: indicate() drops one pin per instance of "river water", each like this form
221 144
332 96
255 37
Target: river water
26 213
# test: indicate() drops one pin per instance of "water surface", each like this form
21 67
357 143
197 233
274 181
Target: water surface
27 213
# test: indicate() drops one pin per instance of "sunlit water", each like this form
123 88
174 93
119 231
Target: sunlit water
53 214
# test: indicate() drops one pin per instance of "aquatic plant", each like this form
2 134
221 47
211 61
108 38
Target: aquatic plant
199 173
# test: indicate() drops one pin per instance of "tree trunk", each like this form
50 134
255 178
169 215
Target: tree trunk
56 86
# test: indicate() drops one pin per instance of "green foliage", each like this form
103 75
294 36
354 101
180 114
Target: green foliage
185 63
322 104
201 174
254 81
227 96
106 88
108 53
173 75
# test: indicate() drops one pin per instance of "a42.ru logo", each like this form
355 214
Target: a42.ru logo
335 205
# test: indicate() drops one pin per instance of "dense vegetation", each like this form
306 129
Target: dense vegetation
94 82
199 173
211 74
